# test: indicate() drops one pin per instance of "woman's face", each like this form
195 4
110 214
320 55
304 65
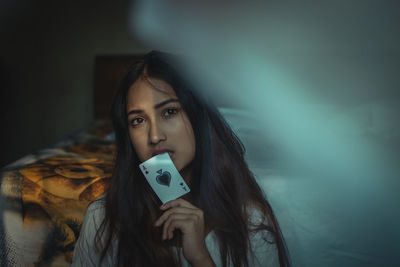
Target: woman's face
157 122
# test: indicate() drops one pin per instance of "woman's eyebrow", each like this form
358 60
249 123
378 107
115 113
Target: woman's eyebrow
156 106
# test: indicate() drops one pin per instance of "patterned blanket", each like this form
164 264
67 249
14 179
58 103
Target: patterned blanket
44 197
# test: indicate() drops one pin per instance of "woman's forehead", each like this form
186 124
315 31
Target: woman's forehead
146 89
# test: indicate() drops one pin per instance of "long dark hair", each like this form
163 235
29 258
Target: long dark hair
221 183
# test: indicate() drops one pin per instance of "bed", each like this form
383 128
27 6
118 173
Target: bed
44 195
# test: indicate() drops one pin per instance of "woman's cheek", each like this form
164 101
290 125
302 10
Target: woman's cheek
137 145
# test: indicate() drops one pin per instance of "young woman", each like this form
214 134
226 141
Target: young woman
224 221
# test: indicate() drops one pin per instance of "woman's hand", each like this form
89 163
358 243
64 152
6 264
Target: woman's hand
182 215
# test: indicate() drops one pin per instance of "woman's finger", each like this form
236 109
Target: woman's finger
167 223
169 226
186 226
177 203
166 214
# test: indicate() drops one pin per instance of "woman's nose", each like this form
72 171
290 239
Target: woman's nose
156 133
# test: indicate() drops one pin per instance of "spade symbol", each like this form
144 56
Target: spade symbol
164 178
184 187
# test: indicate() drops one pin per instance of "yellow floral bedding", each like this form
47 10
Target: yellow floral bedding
44 197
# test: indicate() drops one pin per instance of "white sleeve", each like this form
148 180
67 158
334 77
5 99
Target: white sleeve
265 252
85 253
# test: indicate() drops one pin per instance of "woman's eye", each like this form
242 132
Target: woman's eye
136 121
170 111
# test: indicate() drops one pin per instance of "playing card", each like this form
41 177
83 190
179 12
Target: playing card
164 178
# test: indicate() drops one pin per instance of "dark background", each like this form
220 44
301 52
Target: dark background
48 51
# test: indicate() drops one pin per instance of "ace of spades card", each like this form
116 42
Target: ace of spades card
162 175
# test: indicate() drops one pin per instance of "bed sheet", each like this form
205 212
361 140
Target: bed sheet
44 197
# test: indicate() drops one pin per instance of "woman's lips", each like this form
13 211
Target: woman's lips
157 152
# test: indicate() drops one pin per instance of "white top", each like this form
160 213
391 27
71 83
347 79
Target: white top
265 254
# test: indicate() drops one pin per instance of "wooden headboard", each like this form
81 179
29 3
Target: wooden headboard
108 72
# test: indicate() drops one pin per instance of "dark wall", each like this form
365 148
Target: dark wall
46 67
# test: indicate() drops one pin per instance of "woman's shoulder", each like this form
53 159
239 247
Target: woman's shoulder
97 204
94 214
256 214
85 252
263 251
262 237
